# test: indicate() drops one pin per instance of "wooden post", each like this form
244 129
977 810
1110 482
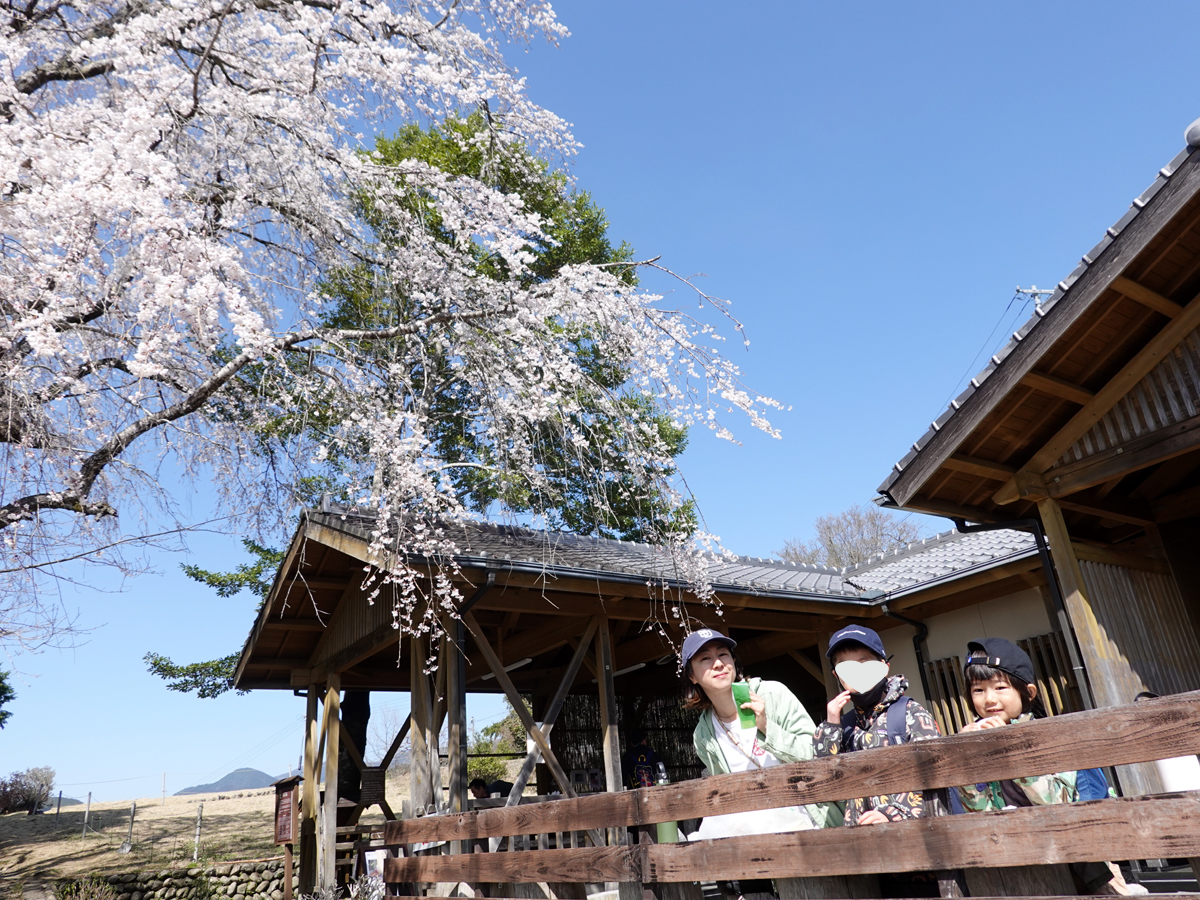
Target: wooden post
1081 619
58 809
287 872
420 787
199 823
609 738
328 870
456 713
308 803
87 811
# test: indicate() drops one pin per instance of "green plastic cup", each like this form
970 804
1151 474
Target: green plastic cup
741 694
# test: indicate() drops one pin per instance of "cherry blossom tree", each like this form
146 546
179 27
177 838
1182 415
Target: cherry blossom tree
179 178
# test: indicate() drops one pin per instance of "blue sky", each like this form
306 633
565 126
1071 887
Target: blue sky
867 183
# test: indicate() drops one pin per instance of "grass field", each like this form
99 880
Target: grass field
234 828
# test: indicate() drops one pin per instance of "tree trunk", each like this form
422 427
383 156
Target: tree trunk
356 713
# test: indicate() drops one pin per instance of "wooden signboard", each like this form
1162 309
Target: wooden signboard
287 793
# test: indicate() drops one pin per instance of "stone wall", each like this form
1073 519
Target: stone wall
244 881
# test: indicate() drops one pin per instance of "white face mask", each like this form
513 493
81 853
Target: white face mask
860 677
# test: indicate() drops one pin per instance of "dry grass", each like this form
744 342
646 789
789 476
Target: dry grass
32 848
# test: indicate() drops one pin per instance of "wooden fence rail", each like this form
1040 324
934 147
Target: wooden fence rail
1152 729
1166 826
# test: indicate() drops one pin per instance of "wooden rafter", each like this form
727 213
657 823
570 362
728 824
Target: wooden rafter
1146 297
1116 388
1059 387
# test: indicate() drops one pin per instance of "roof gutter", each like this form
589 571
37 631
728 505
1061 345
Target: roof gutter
918 639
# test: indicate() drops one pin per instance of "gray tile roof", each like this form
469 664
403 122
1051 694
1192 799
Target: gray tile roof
920 563
1164 175
944 556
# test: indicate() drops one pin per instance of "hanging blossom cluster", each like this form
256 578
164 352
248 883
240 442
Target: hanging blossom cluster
179 181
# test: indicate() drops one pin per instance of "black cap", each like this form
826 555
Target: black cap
857 634
698 639
1002 654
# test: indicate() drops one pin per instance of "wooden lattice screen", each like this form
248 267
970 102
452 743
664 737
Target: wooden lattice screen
951 706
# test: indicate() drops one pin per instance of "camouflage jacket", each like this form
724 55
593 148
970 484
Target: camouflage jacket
1041 790
870 730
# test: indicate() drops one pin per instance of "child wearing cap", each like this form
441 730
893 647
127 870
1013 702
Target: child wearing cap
782 731
879 714
1003 691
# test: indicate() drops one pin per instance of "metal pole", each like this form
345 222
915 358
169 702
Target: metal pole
199 819
86 811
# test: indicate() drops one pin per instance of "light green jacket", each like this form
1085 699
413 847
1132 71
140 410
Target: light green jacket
789 738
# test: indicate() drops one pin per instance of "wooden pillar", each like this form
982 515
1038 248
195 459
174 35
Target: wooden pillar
420 784
328 871
308 797
456 713
610 739
1088 635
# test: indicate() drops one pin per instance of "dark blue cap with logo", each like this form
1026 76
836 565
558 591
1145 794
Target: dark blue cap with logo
856 634
698 639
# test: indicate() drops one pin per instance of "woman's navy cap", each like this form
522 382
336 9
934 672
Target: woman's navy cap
699 638
1003 654
857 634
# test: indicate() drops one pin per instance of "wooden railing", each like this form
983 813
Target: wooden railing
1164 826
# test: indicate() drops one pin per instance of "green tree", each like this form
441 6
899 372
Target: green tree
618 505
506 736
573 498
7 695
215 676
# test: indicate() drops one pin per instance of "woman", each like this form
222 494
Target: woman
782 732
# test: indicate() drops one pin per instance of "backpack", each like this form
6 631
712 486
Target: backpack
1090 784
895 722
940 802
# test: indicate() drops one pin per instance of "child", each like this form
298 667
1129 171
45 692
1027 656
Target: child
782 731
1001 687
881 714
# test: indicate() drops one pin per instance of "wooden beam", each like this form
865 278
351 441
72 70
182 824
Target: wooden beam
308 797
351 748
556 632
1148 298
551 714
1154 352
1177 506
1091 285
518 705
628 610
288 663
328 858
906 599
610 741
808 666
1112 557
1159 446
1116 509
1082 622
1057 387
1133 733
972 465
396 742
278 625
1127 828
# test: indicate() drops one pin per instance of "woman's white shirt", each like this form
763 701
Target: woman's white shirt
763 821
738 760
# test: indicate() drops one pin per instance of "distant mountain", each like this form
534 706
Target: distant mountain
237 780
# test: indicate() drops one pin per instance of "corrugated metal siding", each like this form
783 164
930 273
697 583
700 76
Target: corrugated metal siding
1169 394
1149 644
